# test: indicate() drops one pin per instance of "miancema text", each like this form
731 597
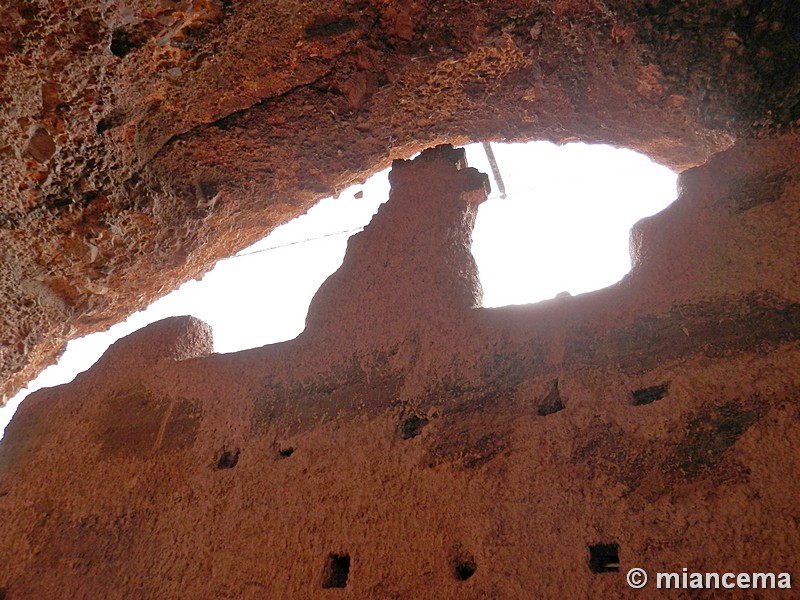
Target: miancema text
715 581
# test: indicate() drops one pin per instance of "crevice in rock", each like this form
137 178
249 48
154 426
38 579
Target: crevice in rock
222 122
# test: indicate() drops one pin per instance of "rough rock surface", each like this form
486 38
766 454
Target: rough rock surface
142 140
412 445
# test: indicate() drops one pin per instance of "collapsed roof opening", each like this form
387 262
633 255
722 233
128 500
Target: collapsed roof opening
565 222
563 227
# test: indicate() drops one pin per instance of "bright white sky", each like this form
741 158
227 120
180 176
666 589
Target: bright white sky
563 227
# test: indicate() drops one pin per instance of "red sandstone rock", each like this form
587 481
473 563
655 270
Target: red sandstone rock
408 445
169 135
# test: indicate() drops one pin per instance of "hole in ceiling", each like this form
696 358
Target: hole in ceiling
563 227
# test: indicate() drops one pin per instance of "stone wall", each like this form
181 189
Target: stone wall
410 444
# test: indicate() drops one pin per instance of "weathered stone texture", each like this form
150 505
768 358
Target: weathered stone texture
143 140
411 444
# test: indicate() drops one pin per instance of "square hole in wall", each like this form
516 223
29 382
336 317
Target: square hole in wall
552 402
336 572
649 395
604 558
228 459
413 426
465 568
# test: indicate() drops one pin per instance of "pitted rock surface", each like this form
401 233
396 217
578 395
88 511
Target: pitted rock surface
141 141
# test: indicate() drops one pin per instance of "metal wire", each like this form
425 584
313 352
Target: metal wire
327 235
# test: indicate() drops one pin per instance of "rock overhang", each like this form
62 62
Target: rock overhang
145 140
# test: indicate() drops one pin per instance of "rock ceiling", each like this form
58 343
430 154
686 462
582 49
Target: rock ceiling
141 141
